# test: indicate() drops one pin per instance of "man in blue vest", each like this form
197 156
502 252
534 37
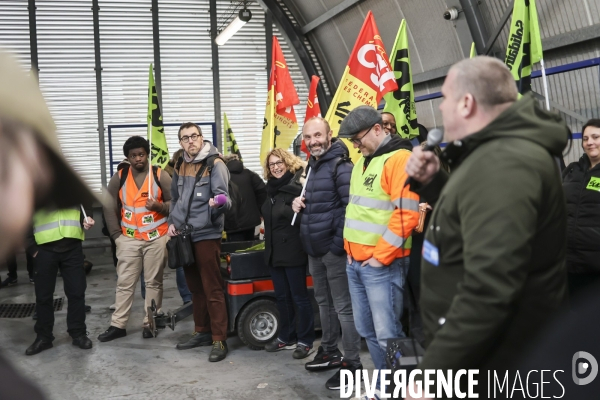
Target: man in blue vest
56 245
323 207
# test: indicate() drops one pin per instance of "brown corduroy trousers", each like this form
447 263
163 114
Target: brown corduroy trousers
206 284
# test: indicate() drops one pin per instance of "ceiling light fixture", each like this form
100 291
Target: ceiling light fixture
244 16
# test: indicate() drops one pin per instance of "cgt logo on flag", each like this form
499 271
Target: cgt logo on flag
383 72
584 363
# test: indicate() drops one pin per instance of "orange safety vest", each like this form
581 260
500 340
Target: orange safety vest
136 220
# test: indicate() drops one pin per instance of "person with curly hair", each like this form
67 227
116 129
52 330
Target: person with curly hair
284 254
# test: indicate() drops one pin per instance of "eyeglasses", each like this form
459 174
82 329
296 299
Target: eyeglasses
276 164
186 139
390 125
358 141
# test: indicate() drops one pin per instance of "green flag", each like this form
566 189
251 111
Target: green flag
231 146
473 51
401 103
524 43
156 130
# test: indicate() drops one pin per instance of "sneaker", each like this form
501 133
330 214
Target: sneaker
219 351
112 333
302 351
113 307
8 282
377 394
277 345
325 360
334 382
31 280
198 339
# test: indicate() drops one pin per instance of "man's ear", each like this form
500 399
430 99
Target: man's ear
467 105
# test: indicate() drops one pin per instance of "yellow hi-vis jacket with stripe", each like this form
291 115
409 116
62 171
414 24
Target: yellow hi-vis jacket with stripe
52 226
381 212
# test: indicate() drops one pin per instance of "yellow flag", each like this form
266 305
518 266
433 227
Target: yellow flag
524 43
156 130
401 102
230 146
268 132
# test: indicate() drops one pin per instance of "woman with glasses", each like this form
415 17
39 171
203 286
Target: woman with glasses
285 256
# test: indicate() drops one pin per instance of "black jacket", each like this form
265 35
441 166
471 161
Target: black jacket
282 240
253 193
583 216
322 228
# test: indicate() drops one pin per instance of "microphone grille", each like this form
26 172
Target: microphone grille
434 137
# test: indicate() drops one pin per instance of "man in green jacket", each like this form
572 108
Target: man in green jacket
493 269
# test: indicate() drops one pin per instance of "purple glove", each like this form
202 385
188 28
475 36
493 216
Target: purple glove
220 199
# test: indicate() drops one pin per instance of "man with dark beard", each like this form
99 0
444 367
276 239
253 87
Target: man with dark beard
323 207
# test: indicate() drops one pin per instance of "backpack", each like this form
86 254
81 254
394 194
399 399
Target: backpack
235 212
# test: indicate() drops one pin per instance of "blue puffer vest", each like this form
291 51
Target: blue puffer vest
322 225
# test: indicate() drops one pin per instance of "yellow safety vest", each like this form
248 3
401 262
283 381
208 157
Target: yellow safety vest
52 226
370 208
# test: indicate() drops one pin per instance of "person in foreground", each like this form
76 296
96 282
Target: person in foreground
493 269
33 174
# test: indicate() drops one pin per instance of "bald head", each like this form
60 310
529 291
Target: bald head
486 78
316 134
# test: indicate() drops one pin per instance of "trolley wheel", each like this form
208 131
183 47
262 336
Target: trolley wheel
258 323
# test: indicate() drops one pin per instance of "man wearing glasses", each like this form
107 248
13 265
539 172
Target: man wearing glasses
193 203
380 218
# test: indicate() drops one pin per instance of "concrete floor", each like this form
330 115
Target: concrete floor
137 368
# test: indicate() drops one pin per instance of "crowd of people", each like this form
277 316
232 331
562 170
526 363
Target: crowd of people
497 245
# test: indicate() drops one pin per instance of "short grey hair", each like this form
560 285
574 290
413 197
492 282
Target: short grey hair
487 79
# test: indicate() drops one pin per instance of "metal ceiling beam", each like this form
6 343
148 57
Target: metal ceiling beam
33 48
561 108
494 36
216 73
340 8
548 44
476 22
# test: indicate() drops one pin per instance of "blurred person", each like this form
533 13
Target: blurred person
33 174
380 218
11 264
321 230
137 221
253 193
194 204
581 182
493 270
55 244
284 255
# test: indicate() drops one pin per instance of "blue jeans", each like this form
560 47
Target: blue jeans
290 289
184 292
377 304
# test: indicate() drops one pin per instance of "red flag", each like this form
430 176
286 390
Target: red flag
280 129
312 108
367 78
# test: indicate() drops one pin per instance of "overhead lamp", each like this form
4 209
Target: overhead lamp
235 25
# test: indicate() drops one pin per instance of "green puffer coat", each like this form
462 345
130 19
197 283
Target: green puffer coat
498 232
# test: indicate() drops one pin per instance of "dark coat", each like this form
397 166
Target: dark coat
583 216
322 228
499 227
254 194
282 240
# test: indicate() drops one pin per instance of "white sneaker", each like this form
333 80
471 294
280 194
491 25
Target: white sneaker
377 394
113 307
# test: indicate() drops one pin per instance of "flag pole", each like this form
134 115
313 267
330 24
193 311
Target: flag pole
545 81
302 193
149 133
